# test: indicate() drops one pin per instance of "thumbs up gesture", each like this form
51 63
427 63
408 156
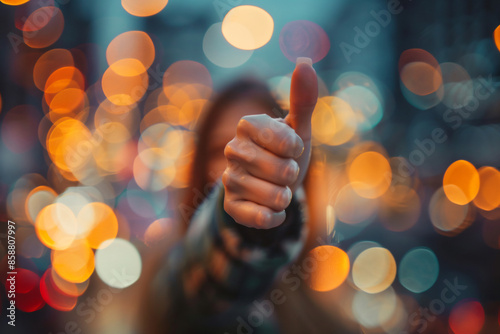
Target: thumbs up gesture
268 158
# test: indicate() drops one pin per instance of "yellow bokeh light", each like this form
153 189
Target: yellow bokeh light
496 37
128 51
488 197
370 174
374 270
74 264
332 268
461 182
101 223
56 226
333 121
68 102
247 27
447 217
48 63
61 79
37 199
143 8
69 144
14 2
185 80
150 179
124 90
128 67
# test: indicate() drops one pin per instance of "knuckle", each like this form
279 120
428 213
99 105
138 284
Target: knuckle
230 150
226 178
233 179
289 171
229 208
230 180
243 126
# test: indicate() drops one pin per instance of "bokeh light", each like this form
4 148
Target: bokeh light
370 174
332 268
43 27
48 63
467 317
100 223
218 50
28 297
304 39
14 2
333 121
131 53
54 296
144 8
461 182
488 197
374 310
420 72
418 270
374 270
124 90
118 263
496 37
56 226
38 199
74 264
446 216
247 27
365 105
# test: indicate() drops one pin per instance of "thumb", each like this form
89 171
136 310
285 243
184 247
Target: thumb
303 98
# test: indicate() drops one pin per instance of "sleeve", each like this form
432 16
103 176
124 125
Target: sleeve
221 266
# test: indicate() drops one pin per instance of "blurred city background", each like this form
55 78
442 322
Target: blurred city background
99 101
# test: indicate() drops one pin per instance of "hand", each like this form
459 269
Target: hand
268 158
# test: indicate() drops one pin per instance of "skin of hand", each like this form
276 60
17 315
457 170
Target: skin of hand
268 158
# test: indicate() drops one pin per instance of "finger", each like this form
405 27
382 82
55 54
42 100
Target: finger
253 215
271 134
262 163
303 98
249 188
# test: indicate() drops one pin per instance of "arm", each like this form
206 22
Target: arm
248 230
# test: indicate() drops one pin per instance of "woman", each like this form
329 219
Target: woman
247 230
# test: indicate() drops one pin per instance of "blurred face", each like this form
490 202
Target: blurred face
225 131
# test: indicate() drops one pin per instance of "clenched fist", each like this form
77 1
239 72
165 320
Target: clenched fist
268 158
